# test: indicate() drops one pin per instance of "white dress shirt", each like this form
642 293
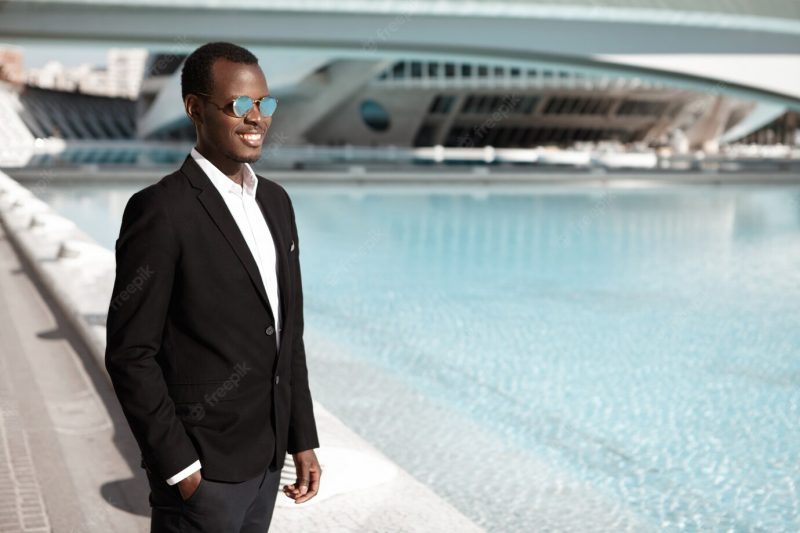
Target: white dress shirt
241 202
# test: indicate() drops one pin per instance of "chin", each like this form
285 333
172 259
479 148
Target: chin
245 158
250 159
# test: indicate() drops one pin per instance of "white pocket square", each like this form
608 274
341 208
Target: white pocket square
291 248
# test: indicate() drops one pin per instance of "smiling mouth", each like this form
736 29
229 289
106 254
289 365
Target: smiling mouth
253 140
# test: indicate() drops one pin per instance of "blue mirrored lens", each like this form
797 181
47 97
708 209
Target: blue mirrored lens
242 105
268 105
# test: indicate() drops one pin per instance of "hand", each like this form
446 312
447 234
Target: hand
189 484
308 474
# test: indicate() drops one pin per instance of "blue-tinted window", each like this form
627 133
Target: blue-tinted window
374 115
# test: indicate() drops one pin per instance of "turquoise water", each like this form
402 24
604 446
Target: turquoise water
635 353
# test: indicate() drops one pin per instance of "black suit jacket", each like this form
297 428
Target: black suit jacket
191 337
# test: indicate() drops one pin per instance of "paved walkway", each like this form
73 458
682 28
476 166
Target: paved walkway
66 455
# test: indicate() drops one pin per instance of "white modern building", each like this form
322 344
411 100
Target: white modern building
508 74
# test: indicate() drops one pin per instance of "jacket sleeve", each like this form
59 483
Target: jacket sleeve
302 427
146 252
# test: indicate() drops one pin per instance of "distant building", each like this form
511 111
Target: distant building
121 78
11 64
125 72
53 75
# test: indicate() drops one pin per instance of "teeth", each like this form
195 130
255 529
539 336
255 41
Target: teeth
250 136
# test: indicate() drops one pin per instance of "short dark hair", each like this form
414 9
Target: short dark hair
196 73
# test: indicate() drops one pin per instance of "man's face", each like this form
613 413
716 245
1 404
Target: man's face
226 137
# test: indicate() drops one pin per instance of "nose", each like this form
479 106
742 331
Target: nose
253 116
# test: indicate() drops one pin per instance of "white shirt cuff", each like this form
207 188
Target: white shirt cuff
186 472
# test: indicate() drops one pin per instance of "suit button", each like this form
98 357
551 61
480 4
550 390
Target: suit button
277 379
270 330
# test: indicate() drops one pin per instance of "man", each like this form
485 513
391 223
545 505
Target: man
205 327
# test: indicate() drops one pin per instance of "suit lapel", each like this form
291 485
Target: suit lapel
219 213
269 208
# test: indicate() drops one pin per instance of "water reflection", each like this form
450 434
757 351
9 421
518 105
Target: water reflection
644 342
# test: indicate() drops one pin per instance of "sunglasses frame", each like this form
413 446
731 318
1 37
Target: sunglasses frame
231 104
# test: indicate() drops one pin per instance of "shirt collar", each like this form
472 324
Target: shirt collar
222 182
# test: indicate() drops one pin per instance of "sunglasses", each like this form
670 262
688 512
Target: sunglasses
241 105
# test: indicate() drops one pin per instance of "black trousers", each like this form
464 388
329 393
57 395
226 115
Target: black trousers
215 506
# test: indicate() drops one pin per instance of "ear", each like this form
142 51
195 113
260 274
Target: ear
193 109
